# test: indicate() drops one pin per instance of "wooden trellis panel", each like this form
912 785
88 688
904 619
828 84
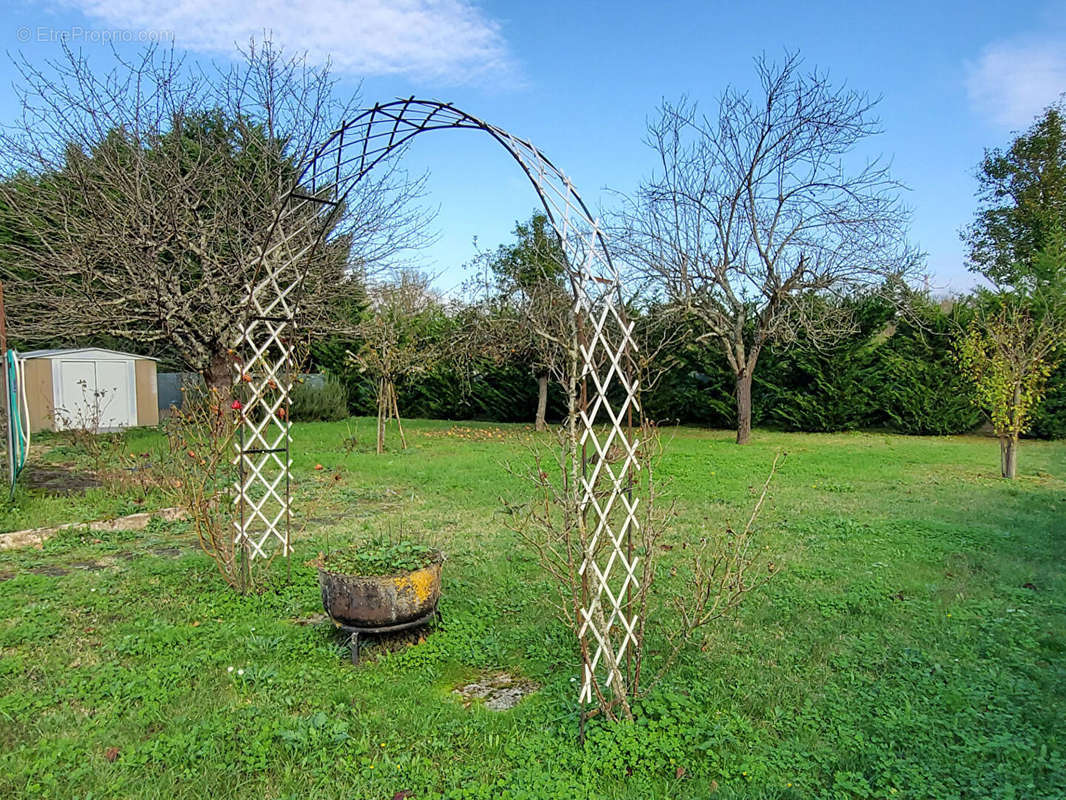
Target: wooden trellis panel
263 384
608 502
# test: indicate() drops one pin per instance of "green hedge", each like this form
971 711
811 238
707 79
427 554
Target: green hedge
895 374
1050 419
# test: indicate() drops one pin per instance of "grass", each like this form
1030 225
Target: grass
912 646
55 455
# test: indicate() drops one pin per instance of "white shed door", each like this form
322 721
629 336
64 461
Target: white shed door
115 394
76 399
95 395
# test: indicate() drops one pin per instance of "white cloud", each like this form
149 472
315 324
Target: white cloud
446 41
1013 81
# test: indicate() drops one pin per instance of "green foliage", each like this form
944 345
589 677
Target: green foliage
1049 418
697 389
501 392
533 259
827 387
917 386
319 400
899 373
1009 356
1022 197
896 371
523 316
329 354
380 556
809 389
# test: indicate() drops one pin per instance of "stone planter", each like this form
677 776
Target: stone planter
380 601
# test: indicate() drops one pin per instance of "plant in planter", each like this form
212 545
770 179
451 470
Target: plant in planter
379 586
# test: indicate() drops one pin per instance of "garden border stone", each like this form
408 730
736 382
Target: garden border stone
35 537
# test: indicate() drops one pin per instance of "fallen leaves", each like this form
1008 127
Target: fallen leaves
469 433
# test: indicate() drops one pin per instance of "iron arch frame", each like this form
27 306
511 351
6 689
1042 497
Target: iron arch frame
603 383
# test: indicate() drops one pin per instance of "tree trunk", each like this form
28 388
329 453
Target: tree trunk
744 407
218 375
542 401
381 415
1008 457
1008 443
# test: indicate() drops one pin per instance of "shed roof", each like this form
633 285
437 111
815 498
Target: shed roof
88 352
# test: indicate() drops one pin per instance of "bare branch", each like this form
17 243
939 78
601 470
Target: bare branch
754 211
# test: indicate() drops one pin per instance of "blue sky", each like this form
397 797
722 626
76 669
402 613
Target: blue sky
579 80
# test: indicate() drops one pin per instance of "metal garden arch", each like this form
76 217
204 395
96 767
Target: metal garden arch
605 384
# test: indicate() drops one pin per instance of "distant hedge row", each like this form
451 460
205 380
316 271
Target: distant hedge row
892 374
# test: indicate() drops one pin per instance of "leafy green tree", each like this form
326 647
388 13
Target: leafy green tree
1018 242
1022 207
1009 354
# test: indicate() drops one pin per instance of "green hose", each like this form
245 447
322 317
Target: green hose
18 437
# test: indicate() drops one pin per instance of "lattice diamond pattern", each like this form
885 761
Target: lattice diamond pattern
263 383
607 497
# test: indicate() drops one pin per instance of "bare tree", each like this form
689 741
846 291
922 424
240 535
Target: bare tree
138 200
754 212
398 341
522 306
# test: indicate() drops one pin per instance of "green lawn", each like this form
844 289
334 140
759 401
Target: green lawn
55 457
913 646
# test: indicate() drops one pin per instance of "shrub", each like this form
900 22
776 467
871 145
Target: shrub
808 389
1049 418
319 398
699 389
895 371
925 398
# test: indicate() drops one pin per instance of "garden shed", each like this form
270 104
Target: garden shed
89 388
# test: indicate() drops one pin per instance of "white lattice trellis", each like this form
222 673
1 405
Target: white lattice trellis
607 446
608 503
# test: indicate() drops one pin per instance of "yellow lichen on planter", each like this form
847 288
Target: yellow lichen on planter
419 583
